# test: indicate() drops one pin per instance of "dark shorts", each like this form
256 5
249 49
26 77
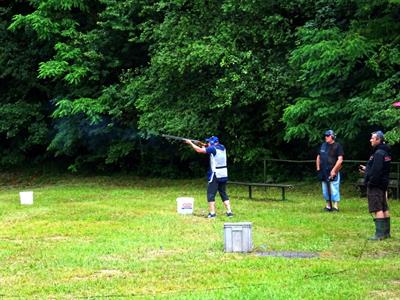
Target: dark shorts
376 199
213 187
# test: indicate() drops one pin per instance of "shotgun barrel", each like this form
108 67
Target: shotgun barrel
178 138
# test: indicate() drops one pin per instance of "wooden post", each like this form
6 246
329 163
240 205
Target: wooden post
397 189
265 170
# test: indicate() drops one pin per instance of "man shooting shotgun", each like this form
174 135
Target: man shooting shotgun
217 175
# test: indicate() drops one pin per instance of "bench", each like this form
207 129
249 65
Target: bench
274 185
393 188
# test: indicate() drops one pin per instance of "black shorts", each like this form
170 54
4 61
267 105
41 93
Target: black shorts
376 199
213 187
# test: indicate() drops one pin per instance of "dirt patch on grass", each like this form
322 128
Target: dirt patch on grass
56 238
154 254
380 254
111 258
288 254
105 273
109 273
11 240
384 295
387 294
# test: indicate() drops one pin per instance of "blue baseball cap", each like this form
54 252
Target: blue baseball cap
379 134
212 140
330 133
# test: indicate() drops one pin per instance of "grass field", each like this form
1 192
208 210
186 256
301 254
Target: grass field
120 237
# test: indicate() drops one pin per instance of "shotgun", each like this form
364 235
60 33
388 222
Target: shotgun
178 138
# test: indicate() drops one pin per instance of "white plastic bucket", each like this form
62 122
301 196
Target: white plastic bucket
26 198
185 205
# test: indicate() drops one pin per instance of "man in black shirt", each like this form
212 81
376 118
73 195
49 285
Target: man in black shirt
377 181
329 162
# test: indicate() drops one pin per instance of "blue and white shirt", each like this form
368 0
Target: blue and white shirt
218 163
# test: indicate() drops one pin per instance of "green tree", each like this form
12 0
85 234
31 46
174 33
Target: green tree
92 44
111 75
24 122
219 68
348 59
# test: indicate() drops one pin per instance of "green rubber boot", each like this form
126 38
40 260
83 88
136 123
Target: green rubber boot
387 228
379 230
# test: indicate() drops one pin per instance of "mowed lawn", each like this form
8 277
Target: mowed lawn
121 237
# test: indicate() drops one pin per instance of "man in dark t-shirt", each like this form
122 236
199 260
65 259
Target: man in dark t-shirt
328 163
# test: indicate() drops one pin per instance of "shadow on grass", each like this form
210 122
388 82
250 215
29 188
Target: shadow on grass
262 199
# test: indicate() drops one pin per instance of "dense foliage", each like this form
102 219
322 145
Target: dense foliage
347 58
95 83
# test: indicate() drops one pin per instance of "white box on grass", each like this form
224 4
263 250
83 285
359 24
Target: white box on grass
237 237
185 205
26 198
